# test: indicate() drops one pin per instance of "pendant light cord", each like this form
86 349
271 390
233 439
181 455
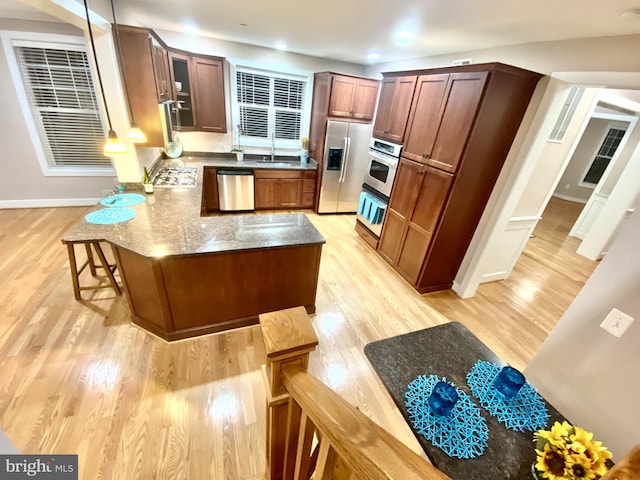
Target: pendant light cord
121 63
95 59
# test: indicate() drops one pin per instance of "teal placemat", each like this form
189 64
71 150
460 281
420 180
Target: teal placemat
107 216
122 200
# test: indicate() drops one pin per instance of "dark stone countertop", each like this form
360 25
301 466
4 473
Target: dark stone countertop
169 223
450 351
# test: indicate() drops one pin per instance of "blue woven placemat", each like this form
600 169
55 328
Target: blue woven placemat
525 411
107 216
462 434
122 200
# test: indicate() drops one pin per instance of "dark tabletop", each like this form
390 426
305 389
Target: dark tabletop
450 351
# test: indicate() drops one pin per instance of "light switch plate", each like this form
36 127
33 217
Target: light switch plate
616 322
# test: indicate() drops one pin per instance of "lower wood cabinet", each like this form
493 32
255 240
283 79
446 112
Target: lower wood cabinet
419 195
284 188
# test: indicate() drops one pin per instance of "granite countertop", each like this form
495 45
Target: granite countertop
168 222
228 160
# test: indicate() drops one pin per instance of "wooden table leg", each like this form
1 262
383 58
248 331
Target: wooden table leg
107 268
74 271
92 264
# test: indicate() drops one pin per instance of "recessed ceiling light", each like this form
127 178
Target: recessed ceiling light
281 46
373 55
189 28
404 37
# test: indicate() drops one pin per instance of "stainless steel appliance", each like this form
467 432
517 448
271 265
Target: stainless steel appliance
344 166
235 190
383 163
378 181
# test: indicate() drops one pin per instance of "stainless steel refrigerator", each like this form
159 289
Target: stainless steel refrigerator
345 162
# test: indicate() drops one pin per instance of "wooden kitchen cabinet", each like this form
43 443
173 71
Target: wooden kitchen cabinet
461 126
200 101
442 115
278 188
353 97
152 68
396 95
180 65
210 202
308 188
208 86
144 69
161 70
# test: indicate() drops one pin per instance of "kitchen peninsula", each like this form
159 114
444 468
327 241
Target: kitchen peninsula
187 275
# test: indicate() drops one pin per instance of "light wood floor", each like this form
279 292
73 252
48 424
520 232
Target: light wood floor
79 378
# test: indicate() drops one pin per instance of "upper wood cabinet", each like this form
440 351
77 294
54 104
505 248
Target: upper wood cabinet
461 125
393 107
442 114
200 100
208 86
353 97
145 69
183 93
152 70
161 70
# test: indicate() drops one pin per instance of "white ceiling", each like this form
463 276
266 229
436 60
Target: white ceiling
349 29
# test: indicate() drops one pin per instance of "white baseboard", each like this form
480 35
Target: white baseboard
49 202
570 199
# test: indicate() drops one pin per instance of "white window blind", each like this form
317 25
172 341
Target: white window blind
60 92
270 104
566 114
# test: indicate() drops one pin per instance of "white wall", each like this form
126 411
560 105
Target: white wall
569 186
589 375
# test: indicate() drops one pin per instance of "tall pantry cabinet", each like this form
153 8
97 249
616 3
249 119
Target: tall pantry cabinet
460 128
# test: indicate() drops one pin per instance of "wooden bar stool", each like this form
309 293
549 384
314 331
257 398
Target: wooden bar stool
90 262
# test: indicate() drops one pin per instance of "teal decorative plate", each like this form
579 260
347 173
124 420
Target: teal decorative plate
122 200
108 216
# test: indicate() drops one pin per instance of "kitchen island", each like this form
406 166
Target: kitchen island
187 275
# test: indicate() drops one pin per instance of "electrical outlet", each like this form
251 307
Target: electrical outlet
616 322
567 186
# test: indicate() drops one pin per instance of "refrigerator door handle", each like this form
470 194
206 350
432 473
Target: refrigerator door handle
345 160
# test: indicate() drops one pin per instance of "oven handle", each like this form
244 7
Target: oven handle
388 161
345 161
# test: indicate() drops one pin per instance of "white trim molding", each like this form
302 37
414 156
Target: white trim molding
49 202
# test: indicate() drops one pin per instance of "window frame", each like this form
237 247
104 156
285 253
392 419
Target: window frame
270 70
9 39
611 126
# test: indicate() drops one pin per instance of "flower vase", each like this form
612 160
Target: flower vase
239 156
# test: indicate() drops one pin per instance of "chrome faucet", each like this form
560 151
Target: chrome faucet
273 146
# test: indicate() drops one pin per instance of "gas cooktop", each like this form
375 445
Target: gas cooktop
176 177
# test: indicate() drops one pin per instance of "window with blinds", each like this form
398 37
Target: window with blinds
60 92
270 104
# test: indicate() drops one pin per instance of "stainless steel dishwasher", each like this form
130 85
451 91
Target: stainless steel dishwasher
235 190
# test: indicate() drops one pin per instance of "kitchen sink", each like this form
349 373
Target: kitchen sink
278 164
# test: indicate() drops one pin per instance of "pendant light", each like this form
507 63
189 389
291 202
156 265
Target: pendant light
113 146
135 135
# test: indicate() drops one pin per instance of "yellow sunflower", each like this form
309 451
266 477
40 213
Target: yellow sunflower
551 463
580 467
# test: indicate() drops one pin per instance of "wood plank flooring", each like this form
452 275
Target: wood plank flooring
78 377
